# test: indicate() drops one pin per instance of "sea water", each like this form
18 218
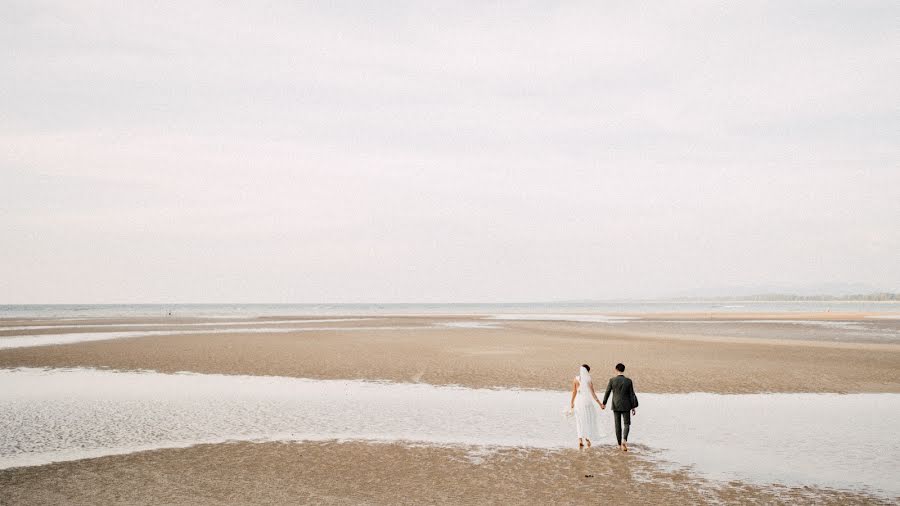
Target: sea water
31 340
38 311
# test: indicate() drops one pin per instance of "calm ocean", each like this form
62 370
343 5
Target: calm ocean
253 310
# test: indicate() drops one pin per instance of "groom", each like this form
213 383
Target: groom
623 404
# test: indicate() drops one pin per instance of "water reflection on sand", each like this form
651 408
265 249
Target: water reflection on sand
841 441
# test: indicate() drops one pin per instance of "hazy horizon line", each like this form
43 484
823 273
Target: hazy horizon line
746 299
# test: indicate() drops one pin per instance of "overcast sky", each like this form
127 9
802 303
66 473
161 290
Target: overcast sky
388 151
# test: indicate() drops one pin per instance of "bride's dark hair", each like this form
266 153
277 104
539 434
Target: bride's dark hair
586 367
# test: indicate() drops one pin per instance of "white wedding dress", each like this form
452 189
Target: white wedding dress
587 412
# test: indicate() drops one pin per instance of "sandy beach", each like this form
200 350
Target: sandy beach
731 355
747 353
372 473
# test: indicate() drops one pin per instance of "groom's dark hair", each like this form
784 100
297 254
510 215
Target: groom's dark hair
620 367
586 367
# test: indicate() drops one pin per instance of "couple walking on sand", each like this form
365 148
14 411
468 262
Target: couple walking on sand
624 405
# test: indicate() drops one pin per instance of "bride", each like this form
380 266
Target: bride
586 414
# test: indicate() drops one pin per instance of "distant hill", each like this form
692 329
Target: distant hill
867 297
830 291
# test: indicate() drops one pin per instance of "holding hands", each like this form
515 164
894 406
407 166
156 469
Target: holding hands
633 411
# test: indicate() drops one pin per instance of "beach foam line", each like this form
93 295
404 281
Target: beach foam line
50 415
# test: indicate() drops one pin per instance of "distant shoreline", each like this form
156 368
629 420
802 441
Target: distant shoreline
859 298
257 310
780 297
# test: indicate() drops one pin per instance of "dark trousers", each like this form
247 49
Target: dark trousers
618 416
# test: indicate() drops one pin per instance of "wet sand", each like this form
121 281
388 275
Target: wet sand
663 357
361 473
724 354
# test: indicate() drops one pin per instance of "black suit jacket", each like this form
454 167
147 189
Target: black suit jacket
624 398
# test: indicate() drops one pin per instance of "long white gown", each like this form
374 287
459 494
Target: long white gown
587 412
